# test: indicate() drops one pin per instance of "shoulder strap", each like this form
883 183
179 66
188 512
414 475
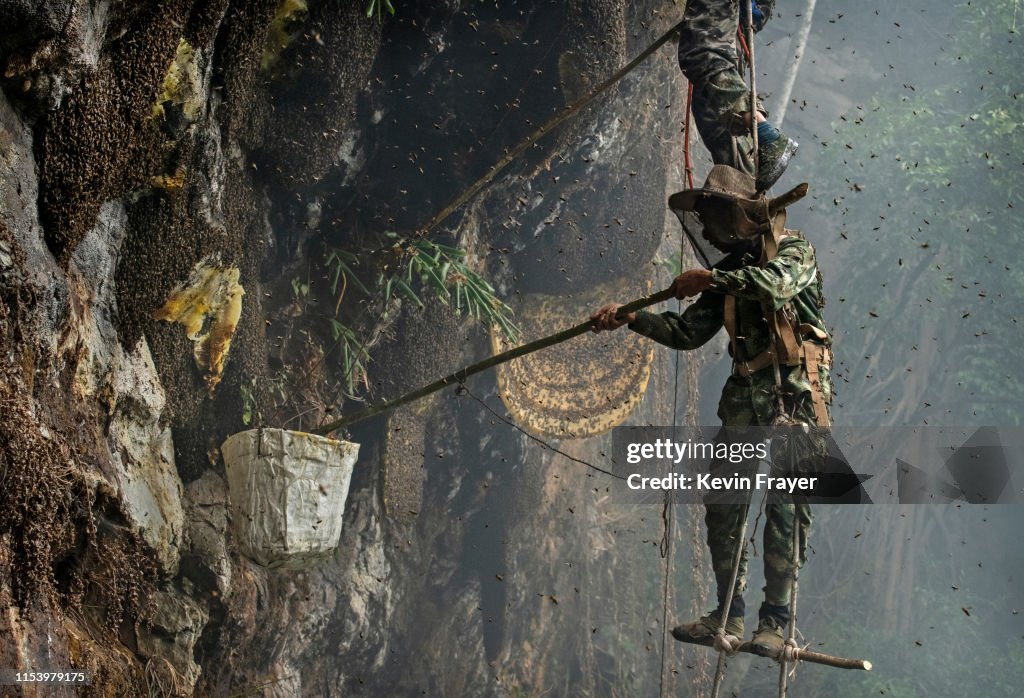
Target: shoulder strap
782 325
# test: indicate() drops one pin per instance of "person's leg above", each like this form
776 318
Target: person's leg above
721 99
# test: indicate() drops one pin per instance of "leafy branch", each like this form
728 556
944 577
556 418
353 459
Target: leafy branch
355 357
440 268
414 265
377 8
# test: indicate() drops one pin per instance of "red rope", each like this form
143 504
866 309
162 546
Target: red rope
743 42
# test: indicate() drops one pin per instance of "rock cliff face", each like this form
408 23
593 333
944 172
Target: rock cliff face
139 140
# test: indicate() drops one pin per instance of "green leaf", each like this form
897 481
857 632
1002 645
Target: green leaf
335 277
407 290
337 329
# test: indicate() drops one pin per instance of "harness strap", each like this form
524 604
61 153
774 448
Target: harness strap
789 353
815 356
752 366
785 333
788 336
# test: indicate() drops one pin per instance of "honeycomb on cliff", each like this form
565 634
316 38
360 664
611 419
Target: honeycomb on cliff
579 388
208 306
182 85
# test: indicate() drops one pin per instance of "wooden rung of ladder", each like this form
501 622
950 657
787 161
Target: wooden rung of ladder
805 655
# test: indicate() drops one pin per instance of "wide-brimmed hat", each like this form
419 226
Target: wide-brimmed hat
727 186
730 187
728 212
723 182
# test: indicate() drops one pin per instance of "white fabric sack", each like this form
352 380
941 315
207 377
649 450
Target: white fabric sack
287 491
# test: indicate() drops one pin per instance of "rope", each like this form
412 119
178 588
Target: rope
743 42
790 651
472 191
667 514
748 48
463 389
805 655
477 186
727 644
740 547
544 130
798 56
666 553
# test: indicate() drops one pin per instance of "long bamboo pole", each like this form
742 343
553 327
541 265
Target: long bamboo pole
504 357
776 204
468 194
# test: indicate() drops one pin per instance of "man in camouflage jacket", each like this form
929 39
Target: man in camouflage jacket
721 100
757 286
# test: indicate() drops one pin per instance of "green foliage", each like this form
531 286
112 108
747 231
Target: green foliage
377 8
341 262
300 289
442 268
926 184
251 411
419 263
410 267
248 404
354 355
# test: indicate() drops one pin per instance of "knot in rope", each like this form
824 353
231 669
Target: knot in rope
730 644
790 652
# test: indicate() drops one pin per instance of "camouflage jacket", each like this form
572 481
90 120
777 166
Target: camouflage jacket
791 277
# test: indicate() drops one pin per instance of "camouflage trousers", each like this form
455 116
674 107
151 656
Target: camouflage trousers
708 59
740 407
